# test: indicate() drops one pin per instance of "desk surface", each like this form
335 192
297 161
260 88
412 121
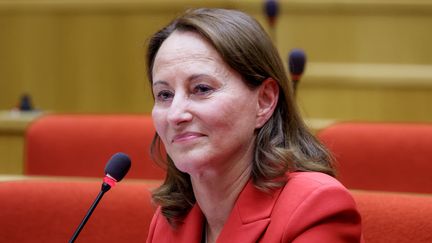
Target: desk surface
16 121
316 124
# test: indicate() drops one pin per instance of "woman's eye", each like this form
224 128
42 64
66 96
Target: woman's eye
202 89
164 95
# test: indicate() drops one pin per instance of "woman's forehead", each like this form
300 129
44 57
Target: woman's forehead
187 44
188 49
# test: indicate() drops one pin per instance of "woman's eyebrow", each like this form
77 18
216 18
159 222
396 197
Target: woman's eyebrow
159 82
189 79
198 76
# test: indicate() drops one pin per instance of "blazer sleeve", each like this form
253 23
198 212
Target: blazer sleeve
328 214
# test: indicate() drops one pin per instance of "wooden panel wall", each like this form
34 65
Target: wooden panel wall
87 55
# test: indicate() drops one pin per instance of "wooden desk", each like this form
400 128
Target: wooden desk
13 125
317 124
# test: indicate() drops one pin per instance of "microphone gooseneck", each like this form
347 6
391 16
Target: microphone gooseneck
115 170
296 65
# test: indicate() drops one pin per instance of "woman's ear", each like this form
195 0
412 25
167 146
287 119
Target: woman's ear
267 100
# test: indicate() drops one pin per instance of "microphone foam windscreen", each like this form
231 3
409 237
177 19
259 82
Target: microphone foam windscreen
118 166
296 61
271 8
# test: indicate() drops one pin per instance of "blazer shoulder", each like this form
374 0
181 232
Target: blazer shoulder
312 179
308 188
311 202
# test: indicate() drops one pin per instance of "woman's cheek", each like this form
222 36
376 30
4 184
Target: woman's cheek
158 121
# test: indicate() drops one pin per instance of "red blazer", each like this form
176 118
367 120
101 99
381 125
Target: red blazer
311 207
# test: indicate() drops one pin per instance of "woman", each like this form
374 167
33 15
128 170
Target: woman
241 165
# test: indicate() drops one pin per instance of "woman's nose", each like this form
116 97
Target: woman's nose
179 111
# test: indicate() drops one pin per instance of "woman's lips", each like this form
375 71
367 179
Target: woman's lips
187 136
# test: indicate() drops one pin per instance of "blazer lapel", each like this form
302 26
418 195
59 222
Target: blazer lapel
250 216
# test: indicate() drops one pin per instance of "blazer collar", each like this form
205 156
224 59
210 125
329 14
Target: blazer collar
247 221
250 215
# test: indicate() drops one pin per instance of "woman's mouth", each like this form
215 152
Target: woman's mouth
186 136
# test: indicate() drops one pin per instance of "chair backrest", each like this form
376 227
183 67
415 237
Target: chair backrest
50 211
382 156
81 145
395 217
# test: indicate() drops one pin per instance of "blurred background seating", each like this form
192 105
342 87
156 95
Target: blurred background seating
81 145
382 156
49 210
395 217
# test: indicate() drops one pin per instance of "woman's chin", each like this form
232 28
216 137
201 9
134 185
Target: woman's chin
190 166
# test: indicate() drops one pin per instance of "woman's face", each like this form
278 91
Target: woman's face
204 113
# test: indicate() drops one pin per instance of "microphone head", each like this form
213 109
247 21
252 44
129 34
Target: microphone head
296 62
271 9
118 166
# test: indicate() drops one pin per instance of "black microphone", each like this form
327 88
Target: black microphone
25 103
271 9
116 168
296 64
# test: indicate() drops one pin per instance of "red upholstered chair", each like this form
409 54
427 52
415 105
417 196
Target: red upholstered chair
50 211
382 156
395 217
80 145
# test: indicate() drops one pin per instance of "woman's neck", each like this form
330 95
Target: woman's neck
216 194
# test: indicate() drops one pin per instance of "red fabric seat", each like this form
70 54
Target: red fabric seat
382 156
50 211
395 217
81 145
